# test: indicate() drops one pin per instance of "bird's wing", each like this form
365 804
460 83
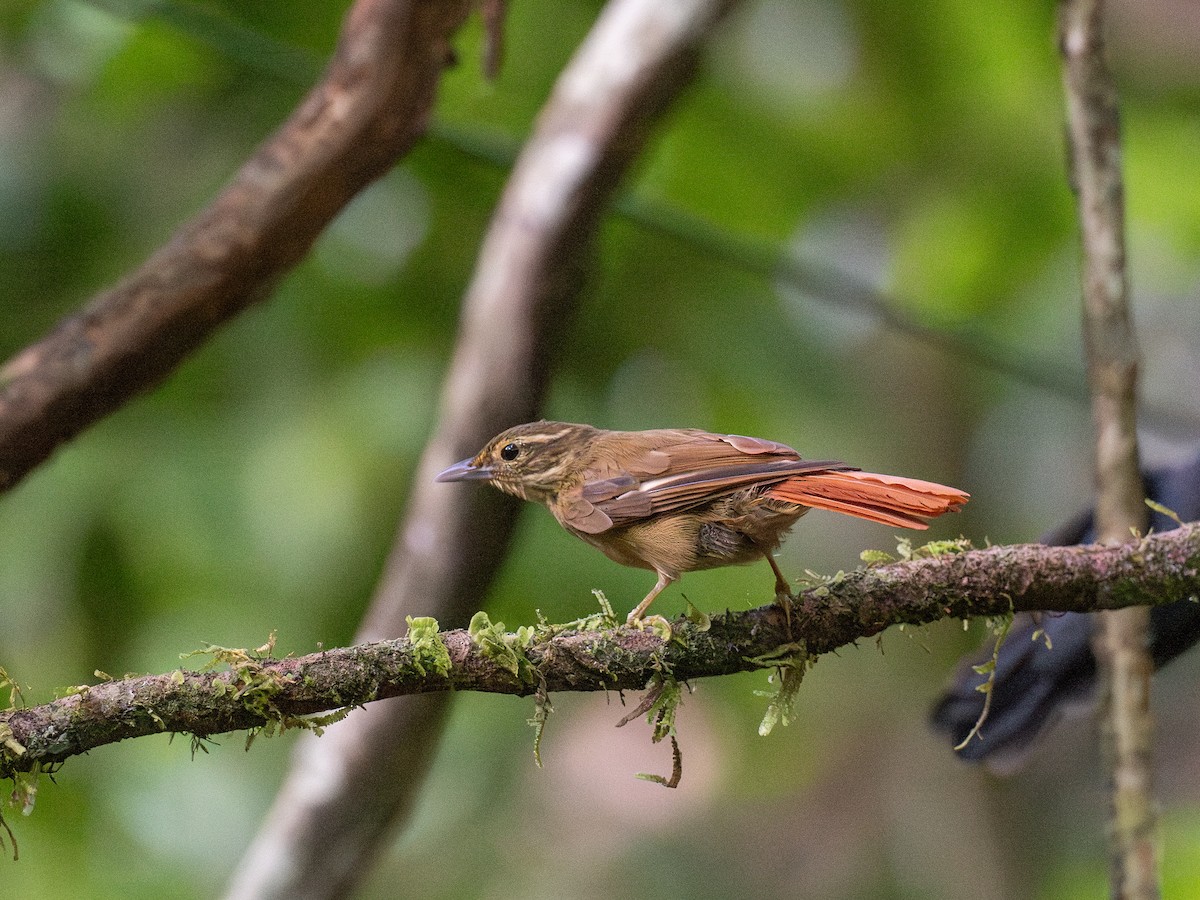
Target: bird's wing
698 485
672 470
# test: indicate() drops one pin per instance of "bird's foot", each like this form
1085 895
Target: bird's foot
655 623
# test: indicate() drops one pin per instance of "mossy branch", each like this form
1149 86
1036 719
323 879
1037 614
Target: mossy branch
256 693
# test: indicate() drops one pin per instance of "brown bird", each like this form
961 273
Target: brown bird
679 499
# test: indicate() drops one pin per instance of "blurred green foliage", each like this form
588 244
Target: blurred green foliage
916 151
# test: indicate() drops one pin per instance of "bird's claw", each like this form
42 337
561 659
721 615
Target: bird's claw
655 623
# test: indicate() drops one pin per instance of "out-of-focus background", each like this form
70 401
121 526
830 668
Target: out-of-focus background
917 152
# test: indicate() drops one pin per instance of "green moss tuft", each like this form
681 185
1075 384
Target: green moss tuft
255 687
999 626
429 653
505 650
791 665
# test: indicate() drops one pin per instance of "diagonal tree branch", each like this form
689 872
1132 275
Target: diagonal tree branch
344 793
370 107
1158 569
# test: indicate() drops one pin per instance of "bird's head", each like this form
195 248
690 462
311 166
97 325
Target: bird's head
533 461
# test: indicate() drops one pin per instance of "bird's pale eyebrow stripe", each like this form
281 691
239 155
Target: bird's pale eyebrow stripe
544 438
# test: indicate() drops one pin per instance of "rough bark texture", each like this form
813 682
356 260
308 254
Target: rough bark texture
368 110
1158 569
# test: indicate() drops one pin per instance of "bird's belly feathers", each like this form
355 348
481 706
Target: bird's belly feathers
729 531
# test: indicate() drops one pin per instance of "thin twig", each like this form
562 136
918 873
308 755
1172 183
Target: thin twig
820 279
828 284
1120 640
494 12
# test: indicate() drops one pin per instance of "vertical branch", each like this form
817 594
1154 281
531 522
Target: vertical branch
1120 641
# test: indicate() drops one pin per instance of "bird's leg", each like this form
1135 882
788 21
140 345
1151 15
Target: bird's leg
636 616
783 590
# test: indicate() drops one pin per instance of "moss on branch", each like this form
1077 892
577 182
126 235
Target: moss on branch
257 691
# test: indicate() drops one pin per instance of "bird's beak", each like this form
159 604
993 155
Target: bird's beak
465 471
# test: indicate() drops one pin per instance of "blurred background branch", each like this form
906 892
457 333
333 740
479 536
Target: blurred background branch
346 793
1121 639
368 110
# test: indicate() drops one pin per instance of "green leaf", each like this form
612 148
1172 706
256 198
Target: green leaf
876 557
1163 510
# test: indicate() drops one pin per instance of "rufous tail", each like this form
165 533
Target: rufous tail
886 499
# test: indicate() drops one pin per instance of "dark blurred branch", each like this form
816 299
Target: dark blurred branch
832 286
825 283
1158 569
212 27
345 792
494 12
370 107
1120 641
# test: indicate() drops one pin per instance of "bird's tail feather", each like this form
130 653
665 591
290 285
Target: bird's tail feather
886 499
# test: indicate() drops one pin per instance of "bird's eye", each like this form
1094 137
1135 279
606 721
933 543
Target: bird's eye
509 452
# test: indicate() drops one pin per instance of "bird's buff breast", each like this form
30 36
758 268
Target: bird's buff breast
662 544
